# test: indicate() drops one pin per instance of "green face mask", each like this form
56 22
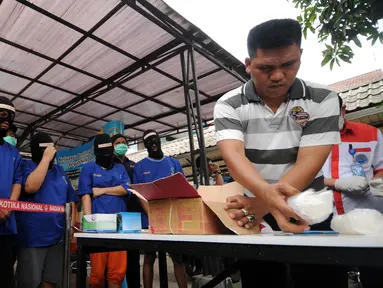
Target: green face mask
120 149
10 140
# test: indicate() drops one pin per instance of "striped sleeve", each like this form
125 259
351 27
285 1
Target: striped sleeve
227 121
323 126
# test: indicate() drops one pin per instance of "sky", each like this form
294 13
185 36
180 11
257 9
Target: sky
228 22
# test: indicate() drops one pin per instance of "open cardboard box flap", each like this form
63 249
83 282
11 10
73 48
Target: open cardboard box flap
176 186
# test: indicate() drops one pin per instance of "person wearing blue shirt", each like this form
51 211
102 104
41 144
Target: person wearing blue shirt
41 235
10 188
152 168
120 144
103 186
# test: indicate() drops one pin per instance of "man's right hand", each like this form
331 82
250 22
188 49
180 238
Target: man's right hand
275 195
237 205
49 153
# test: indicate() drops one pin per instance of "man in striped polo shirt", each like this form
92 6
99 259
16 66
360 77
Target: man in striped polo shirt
275 133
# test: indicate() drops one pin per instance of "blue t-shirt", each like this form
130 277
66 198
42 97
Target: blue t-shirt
10 173
94 176
37 229
149 170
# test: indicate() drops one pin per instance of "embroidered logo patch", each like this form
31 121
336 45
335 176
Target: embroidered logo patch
299 115
361 158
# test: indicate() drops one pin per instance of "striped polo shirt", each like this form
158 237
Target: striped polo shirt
308 117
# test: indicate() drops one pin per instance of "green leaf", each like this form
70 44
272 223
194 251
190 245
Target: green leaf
326 59
357 41
300 19
312 29
344 58
305 32
332 63
337 62
313 16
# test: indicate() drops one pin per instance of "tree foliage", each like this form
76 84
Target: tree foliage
339 22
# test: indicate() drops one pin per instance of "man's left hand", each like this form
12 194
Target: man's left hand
97 192
356 185
247 211
4 215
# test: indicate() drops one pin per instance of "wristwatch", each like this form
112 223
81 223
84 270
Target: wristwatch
217 172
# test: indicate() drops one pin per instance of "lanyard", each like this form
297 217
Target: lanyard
351 151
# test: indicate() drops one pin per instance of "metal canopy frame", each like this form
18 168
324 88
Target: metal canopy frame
185 40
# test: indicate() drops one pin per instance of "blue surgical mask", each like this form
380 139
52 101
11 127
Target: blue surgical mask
10 140
120 149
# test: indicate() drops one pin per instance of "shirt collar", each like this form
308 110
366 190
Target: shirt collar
347 128
297 91
118 160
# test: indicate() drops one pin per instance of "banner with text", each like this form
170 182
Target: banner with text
6 204
114 127
73 159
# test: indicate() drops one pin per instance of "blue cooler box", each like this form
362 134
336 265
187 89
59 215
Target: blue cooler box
129 222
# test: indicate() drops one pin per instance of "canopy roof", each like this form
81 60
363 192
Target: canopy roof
72 65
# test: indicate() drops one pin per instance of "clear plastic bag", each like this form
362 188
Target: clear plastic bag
312 206
358 222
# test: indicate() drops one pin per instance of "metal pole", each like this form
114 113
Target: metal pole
199 119
163 270
185 83
81 267
66 266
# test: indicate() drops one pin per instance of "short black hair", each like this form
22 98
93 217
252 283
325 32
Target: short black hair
274 34
116 136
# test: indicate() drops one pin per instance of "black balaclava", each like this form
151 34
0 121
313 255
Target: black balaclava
152 138
6 105
40 141
103 150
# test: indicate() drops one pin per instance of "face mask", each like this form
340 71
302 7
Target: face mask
149 142
104 151
39 142
11 140
341 123
9 118
38 153
120 149
105 159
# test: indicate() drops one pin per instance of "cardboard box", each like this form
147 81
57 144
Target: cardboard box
176 207
99 223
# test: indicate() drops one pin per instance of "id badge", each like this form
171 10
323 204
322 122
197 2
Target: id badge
357 170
